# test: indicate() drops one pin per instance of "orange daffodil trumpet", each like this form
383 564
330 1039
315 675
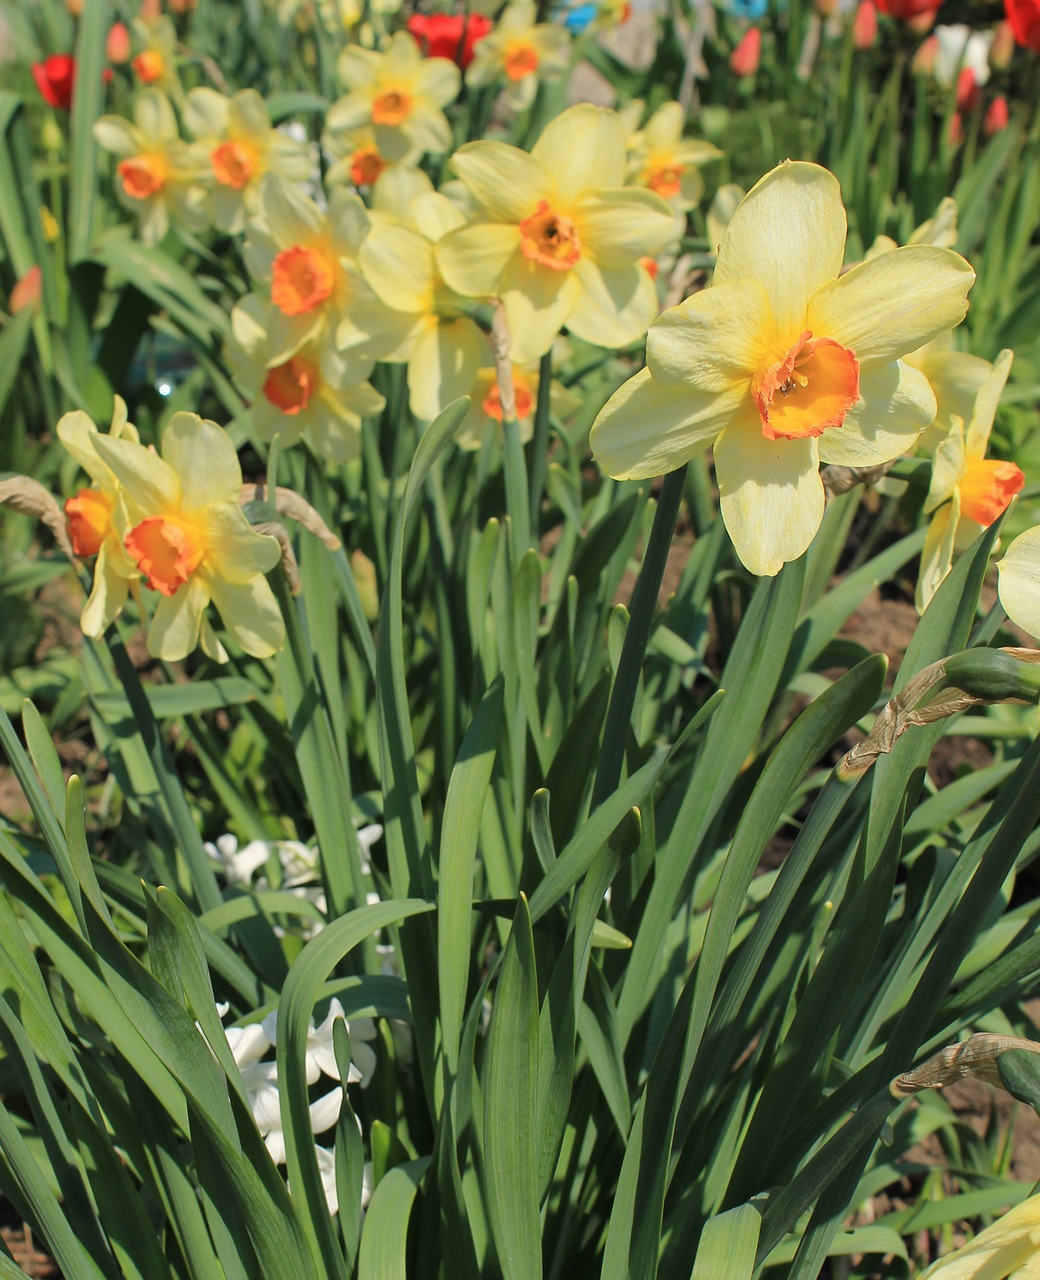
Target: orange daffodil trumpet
559 237
968 490
158 176
522 52
783 363
90 513
179 520
399 93
242 146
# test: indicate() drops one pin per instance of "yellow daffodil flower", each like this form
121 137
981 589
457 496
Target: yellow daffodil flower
485 405
92 529
1007 1250
158 176
355 157
522 52
179 518
399 93
317 391
307 261
968 490
397 257
155 63
1018 583
783 362
237 136
662 159
559 237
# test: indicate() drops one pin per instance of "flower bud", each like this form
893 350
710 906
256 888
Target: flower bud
1002 50
996 116
27 291
117 46
923 63
967 90
744 59
864 25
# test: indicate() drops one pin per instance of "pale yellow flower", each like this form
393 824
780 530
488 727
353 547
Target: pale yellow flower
968 490
241 144
399 93
485 407
180 521
397 257
1007 1250
663 160
307 261
783 362
316 392
90 513
155 63
560 237
522 52
158 176
355 157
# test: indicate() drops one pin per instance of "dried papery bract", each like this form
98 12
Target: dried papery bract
977 1057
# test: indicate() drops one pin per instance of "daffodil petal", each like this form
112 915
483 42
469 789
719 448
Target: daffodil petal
648 428
204 459
398 264
614 305
895 303
583 149
537 301
976 438
1009 1247
770 494
472 259
895 406
955 377
234 549
177 621
107 594
617 227
712 340
439 80
250 614
1019 581
789 234
947 467
506 181
149 484
443 365
937 554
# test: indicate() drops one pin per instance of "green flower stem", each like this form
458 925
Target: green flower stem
643 604
517 500
203 877
540 443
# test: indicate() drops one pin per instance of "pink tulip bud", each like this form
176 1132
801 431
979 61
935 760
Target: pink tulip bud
997 116
117 46
864 25
27 291
744 59
923 63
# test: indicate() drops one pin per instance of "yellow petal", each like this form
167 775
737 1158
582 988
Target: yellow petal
947 467
235 552
439 80
894 303
770 494
396 188
251 615
583 149
937 554
427 127
614 305
1019 584
174 632
977 436
107 595
648 428
398 264
895 406
443 365
538 302
712 340
789 234
617 227
435 215
149 485
472 259
204 460
506 182
1010 1247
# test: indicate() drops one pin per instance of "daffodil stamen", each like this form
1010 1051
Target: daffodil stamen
167 549
549 238
818 382
302 278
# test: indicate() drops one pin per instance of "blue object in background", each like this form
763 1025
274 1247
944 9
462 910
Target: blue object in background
578 19
753 9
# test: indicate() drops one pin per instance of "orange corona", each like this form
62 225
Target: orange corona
812 388
234 163
391 107
167 549
302 278
143 176
549 238
987 487
89 514
291 385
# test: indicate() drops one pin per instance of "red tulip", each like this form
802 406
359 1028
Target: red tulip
744 59
906 9
864 25
54 79
449 35
997 116
1024 16
967 90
